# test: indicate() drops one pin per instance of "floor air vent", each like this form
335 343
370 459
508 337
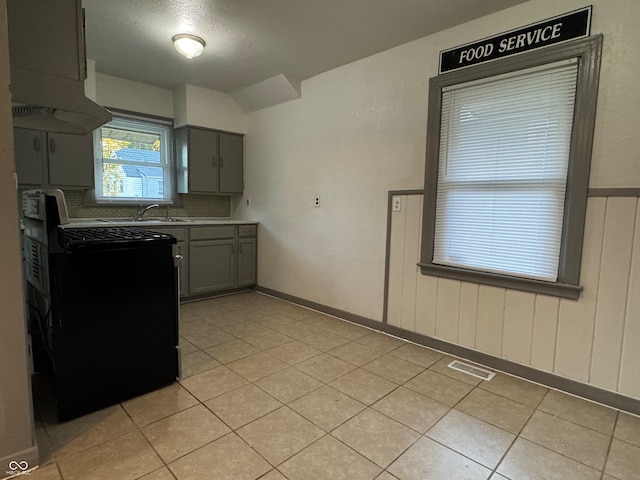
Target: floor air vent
471 370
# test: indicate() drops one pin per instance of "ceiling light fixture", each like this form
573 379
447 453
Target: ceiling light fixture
188 45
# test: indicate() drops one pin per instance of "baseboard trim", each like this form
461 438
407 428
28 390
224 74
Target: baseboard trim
551 380
209 296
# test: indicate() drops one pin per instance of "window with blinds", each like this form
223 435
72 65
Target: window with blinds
134 161
507 169
504 152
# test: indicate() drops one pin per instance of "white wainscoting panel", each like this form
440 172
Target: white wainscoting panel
468 314
517 335
576 318
411 252
612 291
629 383
396 264
545 332
490 321
595 340
448 310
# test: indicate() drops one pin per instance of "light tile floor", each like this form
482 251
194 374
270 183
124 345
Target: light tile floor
272 390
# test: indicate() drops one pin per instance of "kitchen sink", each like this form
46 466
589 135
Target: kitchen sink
127 220
144 220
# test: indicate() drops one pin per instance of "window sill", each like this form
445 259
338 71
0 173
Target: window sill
562 290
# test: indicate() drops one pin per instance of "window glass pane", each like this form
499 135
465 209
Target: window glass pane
135 161
504 151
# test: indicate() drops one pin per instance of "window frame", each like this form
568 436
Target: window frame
169 165
588 51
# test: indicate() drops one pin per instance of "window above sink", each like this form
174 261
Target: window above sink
134 161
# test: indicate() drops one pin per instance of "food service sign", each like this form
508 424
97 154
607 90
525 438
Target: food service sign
554 30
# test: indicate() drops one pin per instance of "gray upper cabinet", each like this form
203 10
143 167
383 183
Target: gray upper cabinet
231 163
53 159
30 150
209 161
201 163
48 43
70 160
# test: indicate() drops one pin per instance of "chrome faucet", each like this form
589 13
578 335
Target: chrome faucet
142 210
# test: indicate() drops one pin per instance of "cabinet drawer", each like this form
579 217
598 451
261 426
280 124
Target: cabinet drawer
212 233
248 230
179 233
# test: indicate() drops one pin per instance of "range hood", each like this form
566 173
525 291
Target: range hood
48 67
53 104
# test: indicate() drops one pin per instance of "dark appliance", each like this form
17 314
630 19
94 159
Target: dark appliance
104 302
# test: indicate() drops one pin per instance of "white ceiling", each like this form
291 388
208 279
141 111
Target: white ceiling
249 41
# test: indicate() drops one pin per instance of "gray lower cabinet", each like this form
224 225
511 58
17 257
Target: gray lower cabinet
53 159
215 258
247 252
212 266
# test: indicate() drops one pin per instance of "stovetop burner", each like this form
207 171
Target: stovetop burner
74 238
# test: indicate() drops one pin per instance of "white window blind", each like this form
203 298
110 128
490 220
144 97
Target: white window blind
504 151
134 161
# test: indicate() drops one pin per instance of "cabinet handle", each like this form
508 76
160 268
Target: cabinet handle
214 161
36 144
233 249
52 145
221 161
240 245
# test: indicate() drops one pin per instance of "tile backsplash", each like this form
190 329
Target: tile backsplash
192 206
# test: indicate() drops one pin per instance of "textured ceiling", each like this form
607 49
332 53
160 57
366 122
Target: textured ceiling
249 41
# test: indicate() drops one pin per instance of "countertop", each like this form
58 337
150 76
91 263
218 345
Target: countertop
150 222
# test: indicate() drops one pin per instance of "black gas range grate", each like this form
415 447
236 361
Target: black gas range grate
73 238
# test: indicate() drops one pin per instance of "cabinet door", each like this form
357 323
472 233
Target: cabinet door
47 36
71 160
30 148
211 266
231 163
203 161
247 262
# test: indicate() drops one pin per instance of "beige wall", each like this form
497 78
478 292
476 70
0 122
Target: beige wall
187 104
359 131
201 107
15 395
116 92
